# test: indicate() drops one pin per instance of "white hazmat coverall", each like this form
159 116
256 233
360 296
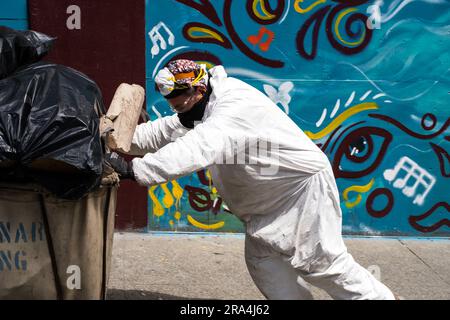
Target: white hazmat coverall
279 183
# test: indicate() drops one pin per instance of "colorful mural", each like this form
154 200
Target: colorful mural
368 82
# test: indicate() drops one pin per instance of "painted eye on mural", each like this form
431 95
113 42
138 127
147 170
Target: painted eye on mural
361 152
360 149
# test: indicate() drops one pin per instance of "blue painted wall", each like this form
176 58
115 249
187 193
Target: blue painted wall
14 14
368 81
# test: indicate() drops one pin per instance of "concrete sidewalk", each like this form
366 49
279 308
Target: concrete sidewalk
180 266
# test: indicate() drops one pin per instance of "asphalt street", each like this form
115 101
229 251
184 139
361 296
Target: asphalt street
180 266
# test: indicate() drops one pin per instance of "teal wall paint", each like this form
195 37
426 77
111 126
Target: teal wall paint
375 99
14 14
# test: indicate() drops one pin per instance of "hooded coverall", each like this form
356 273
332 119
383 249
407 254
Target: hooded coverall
284 192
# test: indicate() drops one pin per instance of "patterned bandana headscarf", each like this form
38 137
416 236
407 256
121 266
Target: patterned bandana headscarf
181 74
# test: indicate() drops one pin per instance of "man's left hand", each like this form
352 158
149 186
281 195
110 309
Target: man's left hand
120 165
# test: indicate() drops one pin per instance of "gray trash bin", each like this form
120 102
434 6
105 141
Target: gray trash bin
52 248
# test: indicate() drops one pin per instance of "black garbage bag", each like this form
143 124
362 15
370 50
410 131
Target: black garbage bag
20 48
49 129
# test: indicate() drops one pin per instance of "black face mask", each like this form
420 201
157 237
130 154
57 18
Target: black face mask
188 118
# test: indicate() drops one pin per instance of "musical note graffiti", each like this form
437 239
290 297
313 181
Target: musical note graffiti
412 173
258 39
156 36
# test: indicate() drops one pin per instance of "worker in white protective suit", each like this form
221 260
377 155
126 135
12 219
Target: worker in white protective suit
269 173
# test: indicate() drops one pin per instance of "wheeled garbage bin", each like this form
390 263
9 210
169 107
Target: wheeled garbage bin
52 248
57 198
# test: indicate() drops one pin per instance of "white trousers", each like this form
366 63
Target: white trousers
286 253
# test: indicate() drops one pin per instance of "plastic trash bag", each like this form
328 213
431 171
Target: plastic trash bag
49 129
20 48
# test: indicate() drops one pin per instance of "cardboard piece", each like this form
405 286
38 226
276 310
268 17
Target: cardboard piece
122 117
